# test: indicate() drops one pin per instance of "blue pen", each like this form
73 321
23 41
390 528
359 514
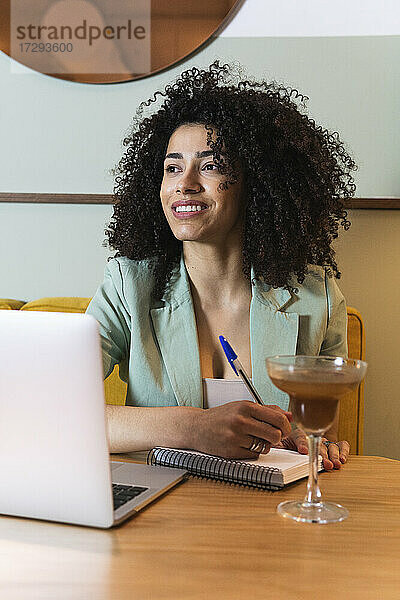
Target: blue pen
237 367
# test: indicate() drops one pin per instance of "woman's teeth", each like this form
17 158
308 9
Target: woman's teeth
189 208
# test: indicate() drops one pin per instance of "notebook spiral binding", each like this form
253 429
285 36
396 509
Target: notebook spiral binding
214 467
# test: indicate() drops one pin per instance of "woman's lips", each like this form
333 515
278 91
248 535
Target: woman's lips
188 210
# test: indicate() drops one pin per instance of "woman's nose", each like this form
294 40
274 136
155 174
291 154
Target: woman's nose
188 184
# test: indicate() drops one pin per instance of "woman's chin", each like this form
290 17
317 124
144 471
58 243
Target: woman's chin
188 234
189 237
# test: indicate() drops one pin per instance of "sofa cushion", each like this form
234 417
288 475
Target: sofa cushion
7 304
71 305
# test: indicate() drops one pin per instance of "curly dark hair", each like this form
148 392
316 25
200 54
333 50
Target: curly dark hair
296 175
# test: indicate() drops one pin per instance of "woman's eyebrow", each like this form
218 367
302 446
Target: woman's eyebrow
202 154
174 155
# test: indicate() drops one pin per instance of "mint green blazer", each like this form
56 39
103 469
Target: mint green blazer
155 342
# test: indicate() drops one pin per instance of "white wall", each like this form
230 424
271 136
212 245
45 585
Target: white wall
294 18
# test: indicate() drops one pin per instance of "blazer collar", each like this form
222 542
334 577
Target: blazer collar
179 289
272 331
275 298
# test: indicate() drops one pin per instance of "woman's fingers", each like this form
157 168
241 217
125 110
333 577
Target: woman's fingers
245 453
264 431
296 441
344 450
288 414
327 463
263 448
229 430
335 455
271 418
300 441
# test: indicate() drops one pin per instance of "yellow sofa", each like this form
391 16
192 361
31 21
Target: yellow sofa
351 409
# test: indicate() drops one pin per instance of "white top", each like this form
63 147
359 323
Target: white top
222 391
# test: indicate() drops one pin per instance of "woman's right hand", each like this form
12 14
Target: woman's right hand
229 430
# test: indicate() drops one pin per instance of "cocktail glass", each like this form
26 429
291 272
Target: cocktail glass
315 385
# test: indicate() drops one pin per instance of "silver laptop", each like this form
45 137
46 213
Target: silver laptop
54 455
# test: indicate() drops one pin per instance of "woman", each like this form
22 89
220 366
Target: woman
240 244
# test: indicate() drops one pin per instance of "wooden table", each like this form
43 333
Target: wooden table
211 540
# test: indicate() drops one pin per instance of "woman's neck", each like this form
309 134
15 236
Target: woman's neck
215 273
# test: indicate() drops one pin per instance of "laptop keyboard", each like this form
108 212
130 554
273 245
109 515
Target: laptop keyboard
124 493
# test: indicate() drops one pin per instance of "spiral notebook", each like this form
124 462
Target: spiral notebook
270 471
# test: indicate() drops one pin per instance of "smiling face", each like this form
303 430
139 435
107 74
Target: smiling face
195 208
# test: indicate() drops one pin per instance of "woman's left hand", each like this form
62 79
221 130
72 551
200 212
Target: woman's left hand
333 458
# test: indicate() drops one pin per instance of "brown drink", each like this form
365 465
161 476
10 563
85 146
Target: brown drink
314 397
315 385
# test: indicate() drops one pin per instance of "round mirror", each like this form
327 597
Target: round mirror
108 41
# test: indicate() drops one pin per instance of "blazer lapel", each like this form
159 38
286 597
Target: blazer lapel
175 328
272 331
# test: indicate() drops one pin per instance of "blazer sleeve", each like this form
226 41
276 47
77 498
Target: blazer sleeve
335 340
109 308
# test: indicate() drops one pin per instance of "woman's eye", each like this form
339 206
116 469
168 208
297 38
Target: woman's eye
171 169
211 167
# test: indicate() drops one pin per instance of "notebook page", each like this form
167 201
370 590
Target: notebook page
220 391
280 459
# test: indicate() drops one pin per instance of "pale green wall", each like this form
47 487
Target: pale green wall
64 137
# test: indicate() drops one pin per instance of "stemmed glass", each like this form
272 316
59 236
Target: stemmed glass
315 385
